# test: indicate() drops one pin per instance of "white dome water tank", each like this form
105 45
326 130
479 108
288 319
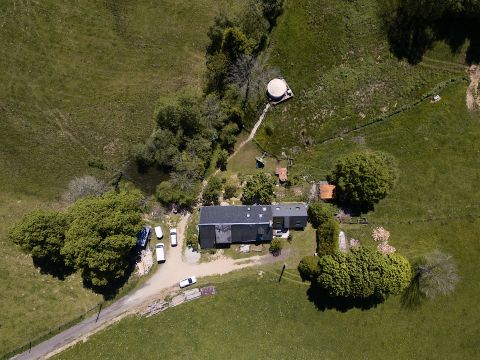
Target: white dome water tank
276 89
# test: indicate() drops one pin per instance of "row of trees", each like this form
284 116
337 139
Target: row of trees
95 235
195 133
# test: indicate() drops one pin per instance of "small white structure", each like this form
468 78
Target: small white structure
278 91
436 98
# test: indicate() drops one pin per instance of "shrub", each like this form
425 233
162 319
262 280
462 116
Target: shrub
437 274
309 269
212 191
327 237
319 213
231 189
364 178
83 187
192 231
222 160
168 193
259 189
276 246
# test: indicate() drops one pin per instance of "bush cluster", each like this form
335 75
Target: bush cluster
363 273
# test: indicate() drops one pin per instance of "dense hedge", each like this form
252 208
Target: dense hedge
327 237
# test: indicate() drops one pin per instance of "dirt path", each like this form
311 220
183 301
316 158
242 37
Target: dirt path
473 93
253 132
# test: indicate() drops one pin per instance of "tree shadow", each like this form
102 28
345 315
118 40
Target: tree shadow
412 298
49 267
323 301
409 38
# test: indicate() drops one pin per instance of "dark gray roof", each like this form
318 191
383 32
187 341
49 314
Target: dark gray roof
298 209
239 214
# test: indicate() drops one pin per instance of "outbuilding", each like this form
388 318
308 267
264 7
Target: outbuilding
278 91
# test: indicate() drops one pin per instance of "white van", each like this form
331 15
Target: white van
158 232
160 252
173 237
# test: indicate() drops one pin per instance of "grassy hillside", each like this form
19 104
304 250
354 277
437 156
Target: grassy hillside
79 84
336 59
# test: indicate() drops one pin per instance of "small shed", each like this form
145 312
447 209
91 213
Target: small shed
326 191
282 174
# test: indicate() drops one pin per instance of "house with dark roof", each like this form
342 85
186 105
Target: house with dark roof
225 225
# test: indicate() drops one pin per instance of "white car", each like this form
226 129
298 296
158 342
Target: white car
158 232
173 237
160 252
188 281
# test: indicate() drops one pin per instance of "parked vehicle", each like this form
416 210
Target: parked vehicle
173 237
144 235
160 252
158 232
188 281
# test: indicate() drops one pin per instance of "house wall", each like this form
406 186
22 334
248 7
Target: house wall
206 236
298 222
289 222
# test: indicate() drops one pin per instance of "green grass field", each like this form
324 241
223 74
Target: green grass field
80 82
335 58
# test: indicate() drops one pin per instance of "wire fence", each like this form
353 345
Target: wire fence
50 333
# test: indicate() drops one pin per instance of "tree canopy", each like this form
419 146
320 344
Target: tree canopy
319 212
259 189
41 234
102 235
364 178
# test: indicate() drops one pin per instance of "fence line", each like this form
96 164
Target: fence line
48 334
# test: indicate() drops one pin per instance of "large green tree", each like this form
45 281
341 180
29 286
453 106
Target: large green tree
41 234
364 178
259 189
363 273
102 235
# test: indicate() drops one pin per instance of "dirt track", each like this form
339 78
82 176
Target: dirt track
473 93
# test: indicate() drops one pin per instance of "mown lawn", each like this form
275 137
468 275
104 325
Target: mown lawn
80 82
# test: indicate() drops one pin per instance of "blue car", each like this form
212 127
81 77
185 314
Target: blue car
143 236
